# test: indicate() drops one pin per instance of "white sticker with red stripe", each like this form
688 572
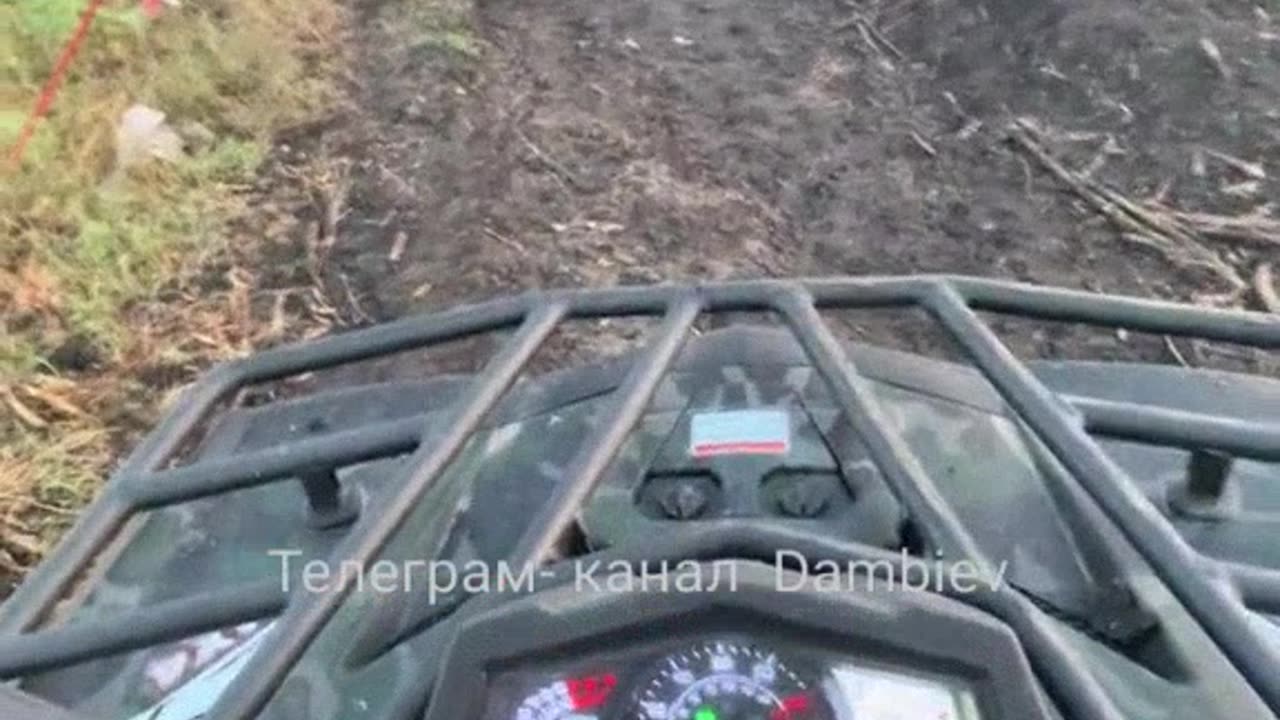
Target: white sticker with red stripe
740 432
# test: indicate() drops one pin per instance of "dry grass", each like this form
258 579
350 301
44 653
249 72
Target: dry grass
116 289
1185 239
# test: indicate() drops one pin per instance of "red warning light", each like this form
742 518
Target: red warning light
591 691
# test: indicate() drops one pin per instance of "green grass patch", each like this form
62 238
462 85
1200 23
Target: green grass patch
228 65
444 25
132 237
85 247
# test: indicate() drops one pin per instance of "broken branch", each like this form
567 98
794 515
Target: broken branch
1157 227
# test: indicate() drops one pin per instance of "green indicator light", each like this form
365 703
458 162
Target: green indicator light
705 712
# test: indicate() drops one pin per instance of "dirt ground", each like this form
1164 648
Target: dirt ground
560 143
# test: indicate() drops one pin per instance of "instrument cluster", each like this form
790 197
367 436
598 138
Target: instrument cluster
726 678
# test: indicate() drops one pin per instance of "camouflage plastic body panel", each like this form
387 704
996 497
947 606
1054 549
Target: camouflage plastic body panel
977 456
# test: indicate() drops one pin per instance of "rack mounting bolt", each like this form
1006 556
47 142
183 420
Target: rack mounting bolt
329 505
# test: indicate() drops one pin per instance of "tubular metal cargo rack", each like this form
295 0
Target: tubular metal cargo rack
1218 595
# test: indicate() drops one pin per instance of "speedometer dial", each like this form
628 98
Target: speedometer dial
725 681
569 699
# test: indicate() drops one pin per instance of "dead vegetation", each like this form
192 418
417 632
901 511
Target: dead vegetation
1184 238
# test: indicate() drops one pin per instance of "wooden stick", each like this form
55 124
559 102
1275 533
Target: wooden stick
1153 226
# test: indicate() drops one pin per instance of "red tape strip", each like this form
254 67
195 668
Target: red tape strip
51 87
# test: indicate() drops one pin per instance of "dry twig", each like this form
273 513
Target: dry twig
1175 352
923 144
871 35
1252 170
1214 56
22 412
1155 226
1254 228
551 163
398 245
1265 287
353 301
517 247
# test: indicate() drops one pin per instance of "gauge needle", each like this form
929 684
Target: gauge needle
790 706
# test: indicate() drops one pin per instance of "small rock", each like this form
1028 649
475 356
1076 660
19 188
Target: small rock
1198 168
416 109
76 354
197 137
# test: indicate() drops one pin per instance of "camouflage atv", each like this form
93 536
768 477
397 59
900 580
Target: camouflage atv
753 521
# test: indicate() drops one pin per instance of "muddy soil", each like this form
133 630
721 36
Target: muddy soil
567 143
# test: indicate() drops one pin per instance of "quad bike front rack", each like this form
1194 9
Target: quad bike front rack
1216 594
